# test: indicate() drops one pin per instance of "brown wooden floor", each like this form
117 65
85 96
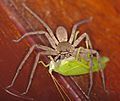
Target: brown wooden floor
104 32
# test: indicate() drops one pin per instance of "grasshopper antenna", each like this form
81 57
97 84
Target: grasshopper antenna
57 86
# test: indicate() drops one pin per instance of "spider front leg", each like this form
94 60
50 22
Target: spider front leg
87 41
42 22
50 39
76 26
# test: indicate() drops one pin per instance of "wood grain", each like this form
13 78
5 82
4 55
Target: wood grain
103 31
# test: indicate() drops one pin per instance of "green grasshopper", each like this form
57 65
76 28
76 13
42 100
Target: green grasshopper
66 57
72 67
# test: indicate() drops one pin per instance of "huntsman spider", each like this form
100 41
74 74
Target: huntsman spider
61 48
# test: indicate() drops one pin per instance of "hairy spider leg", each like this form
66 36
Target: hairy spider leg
80 38
47 52
32 73
81 49
101 69
74 28
18 96
88 45
91 72
34 68
41 21
38 33
21 66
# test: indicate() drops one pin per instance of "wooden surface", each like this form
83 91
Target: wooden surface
103 31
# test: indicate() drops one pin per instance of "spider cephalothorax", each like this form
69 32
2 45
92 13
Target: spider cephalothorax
61 46
65 47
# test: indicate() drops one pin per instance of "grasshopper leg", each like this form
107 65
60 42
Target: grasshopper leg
45 65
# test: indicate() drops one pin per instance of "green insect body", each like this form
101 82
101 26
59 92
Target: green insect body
71 66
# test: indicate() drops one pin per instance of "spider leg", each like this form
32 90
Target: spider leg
91 73
35 66
77 25
38 33
32 74
101 69
21 66
46 48
56 57
49 51
87 51
88 42
41 21
102 73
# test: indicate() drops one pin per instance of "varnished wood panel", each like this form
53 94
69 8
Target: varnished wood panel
103 31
